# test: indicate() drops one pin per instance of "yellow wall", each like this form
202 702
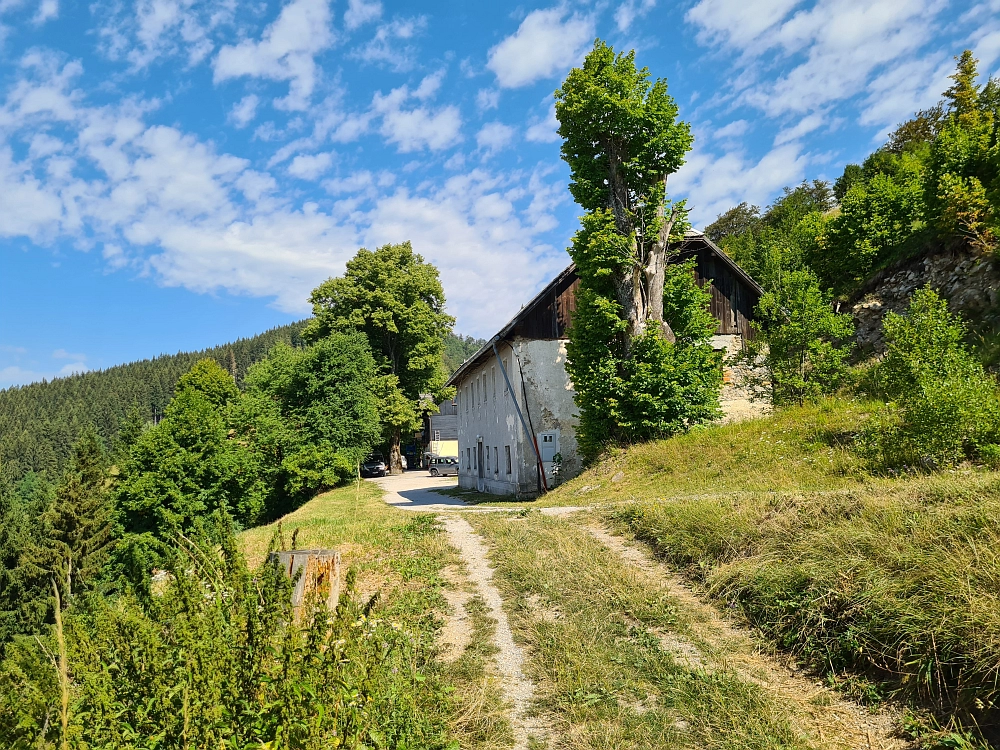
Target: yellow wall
443 447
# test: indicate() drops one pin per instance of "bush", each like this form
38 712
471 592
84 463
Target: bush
800 351
214 659
943 407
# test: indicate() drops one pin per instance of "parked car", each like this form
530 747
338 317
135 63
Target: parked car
374 466
441 466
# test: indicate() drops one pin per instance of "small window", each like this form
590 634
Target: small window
496 461
484 388
466 399
506 450
468 458
487 458
493 370
506 369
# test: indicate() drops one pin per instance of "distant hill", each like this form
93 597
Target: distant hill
458 348
40 422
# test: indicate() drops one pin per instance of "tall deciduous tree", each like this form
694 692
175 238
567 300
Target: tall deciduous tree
396 299
641 368
622 139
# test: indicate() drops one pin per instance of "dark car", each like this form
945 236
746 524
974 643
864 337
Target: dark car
374 466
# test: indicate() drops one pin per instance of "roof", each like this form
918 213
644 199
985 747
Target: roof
691 238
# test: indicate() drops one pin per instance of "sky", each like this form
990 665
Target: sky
177 174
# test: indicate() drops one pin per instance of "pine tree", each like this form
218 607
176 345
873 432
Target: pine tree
77 526
963 95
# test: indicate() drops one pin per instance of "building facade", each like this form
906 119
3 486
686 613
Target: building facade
516 418
440 432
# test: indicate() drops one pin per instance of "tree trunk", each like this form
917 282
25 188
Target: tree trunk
395 457
656 270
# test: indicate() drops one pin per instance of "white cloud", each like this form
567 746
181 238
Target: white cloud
47 10
734 129
902 90
487 99
310 166
631 10
150 29
470 229
417 128
545 44
244 110
737 22
828 52
714 183
63 354
544 130
494 136
73 368
360 12
285 52
389 43
164 202
806 125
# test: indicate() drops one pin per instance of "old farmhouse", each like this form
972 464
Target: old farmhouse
514 400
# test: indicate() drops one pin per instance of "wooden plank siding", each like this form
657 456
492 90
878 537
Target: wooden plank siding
733 300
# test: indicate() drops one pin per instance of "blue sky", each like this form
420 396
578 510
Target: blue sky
175 174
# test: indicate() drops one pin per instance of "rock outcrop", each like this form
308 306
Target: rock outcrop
970 282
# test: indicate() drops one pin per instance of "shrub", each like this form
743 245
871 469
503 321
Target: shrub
799 352
215 659
943 407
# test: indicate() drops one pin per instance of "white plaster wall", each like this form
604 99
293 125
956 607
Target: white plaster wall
487 415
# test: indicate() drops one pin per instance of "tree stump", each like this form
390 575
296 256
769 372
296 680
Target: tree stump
320 575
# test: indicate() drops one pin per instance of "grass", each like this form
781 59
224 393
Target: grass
805 448
399 556
897 582
593 629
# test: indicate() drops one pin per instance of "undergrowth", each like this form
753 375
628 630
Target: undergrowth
897 582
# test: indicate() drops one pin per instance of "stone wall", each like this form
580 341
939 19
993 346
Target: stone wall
970 282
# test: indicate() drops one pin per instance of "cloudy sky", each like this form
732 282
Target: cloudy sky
176 174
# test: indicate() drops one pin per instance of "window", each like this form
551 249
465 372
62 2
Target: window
494 371
496 461
506 450
484 388
487 458
466 399
475 461
506 369
468 458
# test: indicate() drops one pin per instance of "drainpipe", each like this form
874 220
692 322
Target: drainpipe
524 425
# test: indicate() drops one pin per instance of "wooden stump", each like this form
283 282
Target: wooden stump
320 575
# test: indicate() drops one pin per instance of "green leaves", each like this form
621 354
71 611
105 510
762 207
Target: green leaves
801 348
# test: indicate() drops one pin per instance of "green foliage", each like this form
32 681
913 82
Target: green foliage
396 300
943 406
768 245
800 350
876 219
608 105
458 348
621 139
24 599
39 423
214 658
661 387
77 525
852 175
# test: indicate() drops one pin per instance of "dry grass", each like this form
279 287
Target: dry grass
802 449
604 677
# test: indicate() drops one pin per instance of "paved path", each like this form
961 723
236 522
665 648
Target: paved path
413 490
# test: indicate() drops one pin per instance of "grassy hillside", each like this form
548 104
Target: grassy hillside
885 585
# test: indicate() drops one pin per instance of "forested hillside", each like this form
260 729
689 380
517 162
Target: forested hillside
40 422
932 188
